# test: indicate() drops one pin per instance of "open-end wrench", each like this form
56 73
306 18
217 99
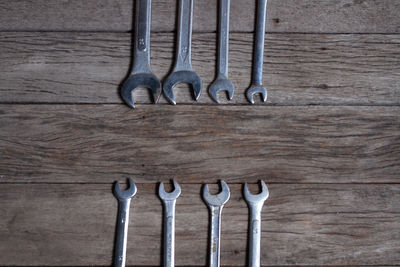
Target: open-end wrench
124 201
256 86
221 82
215 204
183 71
141 74
255 203
169 200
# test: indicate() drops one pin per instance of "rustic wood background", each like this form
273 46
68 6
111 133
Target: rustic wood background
327 142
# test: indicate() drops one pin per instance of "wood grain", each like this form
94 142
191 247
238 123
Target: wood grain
302 224
101 143
327 141
299 69
333 16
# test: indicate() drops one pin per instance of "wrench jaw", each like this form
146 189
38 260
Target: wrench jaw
184 76
221 84
169 196
256 89
147 80
125 194
219 199
258 198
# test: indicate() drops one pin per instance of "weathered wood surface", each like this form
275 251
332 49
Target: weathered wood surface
344 16
300 69
333 169
302 224
101 143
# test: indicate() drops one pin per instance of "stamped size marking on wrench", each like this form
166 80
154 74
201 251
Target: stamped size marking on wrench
183 71
141 74
215 204
124 200
256 86
221 82
169 200
255 203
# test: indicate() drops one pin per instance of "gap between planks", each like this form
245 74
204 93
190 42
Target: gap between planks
143 105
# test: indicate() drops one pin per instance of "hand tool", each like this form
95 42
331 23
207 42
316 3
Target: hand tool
183 71
141 74
124 201
258 56
221 82
169 200
255 203
215 204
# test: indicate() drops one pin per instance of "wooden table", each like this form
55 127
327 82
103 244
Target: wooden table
327 142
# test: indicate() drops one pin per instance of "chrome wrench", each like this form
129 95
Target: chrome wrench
124 201
215 204
255 203
221 82
169 200
256 86
141 74
183 71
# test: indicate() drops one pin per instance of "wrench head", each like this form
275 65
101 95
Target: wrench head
125 194
221 84
172 195
219 199
147 80
256 89
258 198
183 76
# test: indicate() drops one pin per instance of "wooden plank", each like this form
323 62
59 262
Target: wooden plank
338 16
302 224
300 69
101 143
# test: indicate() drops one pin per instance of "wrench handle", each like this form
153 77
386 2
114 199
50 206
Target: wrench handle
141 59
169 233
184 46
215 233
258 58
223 37
122 232
255 236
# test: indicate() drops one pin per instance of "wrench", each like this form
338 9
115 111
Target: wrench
255 203
221 82
124 201
256 86
141 74
169 200
183 71
215 204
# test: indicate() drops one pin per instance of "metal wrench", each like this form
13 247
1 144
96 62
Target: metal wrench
183 71
256 86
169 200
141 74
124 201
215 204
255 203
221 82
